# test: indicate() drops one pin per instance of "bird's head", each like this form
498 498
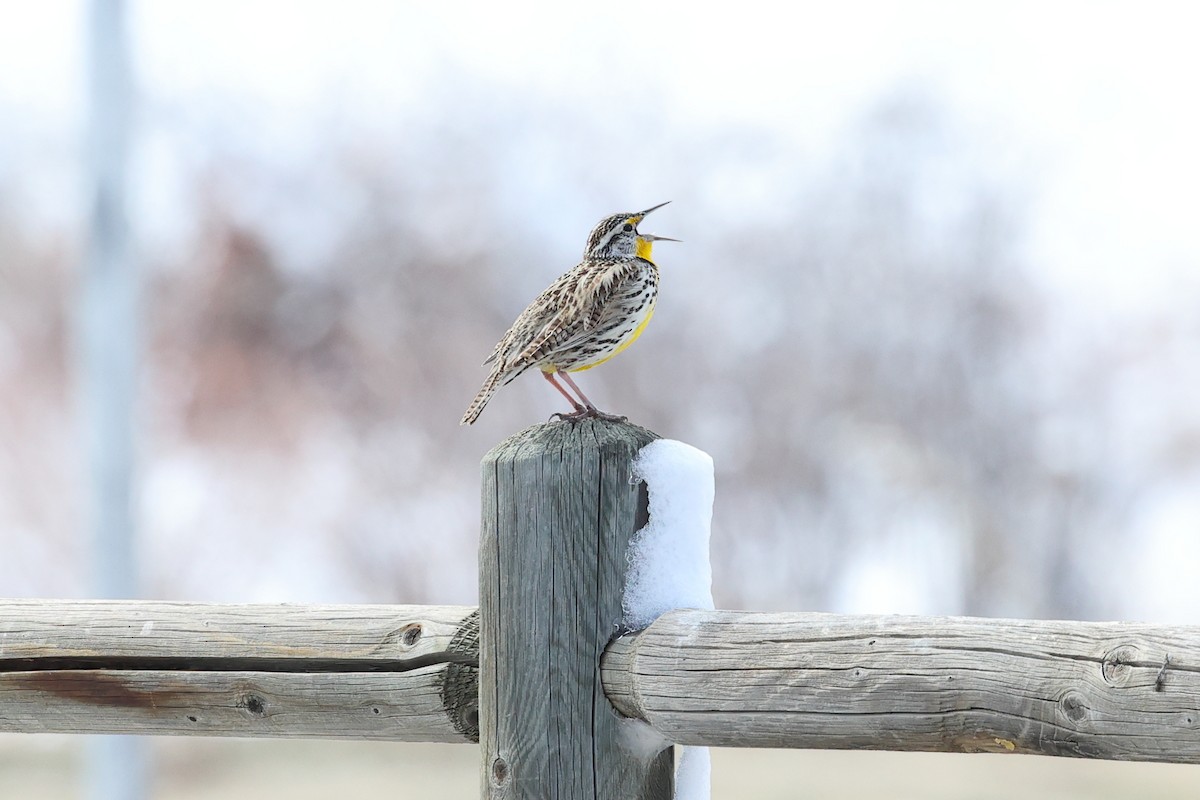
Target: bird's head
617 236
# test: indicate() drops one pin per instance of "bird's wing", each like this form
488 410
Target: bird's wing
594 297
579 305
537 324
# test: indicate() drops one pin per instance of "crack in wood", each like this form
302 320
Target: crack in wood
234 664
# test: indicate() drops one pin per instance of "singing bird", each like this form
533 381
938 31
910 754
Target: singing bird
587 316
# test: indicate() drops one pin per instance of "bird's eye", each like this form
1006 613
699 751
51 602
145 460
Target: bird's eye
627 227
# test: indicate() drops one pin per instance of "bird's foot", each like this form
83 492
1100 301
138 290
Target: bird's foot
579 413
587 412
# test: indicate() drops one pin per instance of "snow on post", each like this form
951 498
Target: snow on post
669 564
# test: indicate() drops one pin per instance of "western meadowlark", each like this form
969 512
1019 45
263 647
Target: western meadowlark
584 318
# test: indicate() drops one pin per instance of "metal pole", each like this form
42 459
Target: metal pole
108 360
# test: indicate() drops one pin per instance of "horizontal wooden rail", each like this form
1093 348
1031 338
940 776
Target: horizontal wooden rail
1125 691
1121 691
405 673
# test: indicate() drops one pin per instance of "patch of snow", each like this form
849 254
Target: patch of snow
693 774
669 564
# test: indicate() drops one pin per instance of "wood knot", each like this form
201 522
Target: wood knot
253 703
410 635
499 772
1073 706
1117 665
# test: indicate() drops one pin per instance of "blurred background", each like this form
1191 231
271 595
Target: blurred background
936 315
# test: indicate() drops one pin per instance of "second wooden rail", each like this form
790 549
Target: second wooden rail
402 673
1112 690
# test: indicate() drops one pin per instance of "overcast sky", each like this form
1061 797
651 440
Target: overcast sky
1095 101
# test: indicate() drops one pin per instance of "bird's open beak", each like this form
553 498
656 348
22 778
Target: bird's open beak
650 237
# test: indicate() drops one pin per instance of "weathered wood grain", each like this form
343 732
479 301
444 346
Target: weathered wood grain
149 629
949 684
379 672
559 509
1096 690
404 707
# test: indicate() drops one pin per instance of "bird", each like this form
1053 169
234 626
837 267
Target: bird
590 314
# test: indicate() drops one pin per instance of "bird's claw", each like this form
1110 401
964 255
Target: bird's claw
590 412
571 416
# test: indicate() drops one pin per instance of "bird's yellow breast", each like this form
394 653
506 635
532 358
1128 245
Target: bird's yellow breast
633 337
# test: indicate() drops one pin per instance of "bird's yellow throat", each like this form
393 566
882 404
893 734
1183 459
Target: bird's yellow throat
643 249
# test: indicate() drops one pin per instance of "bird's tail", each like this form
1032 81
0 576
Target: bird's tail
481 399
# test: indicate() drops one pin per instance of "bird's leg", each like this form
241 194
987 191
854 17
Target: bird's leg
570 382
590 410
580 411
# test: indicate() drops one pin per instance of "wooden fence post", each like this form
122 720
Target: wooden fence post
559 509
